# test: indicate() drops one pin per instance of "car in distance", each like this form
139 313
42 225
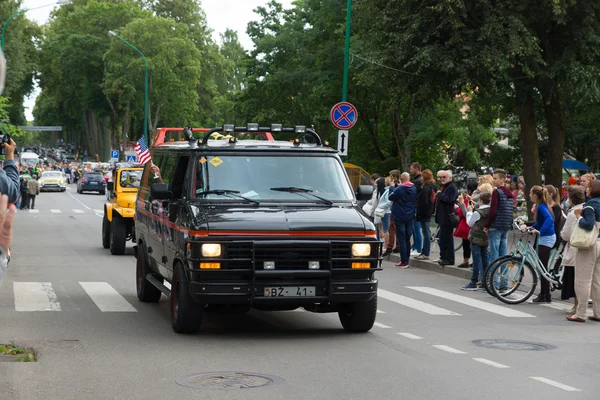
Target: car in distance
52 181
265 224
91 182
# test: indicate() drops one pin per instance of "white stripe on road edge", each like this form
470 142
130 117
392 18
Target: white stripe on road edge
380 312
35 296
106 298
448 349
412 303
482 305
491 363
34 211
77 211
377 324
99 211
55 211
79 201
409 335
555 384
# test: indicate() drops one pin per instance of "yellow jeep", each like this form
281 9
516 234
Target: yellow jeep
118 224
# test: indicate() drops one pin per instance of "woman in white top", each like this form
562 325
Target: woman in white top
383 211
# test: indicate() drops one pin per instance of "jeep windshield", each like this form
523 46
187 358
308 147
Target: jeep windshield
254 176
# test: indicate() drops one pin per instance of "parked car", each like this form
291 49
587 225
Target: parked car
91 182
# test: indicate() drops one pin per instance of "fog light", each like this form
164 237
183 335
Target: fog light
210 265
269 265
361 265
313 265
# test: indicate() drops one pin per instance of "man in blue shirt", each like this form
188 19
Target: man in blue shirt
403 213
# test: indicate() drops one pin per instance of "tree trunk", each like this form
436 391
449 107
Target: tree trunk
556 137
529 142
125 131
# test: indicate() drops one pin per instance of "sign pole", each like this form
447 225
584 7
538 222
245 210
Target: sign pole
347 50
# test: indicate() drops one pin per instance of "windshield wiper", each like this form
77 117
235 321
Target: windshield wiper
299 190
230 193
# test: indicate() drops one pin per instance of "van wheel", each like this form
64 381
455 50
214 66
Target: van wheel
358 317
186 314
118 236
105 232
146 292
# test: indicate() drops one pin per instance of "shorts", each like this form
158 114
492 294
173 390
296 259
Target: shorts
385 222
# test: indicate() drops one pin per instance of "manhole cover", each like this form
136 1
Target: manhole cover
504 344
229 380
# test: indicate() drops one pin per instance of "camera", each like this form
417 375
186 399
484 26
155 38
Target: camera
3 139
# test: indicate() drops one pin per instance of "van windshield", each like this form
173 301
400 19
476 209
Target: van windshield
261 177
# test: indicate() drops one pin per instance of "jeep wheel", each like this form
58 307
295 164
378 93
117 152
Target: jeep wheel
186 314
105 232
118 236
146 292
358 317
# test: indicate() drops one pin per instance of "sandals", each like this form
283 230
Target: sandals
594 319
574 318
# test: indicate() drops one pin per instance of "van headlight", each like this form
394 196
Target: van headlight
361 249
211 250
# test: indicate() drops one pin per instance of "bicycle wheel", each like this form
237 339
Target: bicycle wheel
487 272
457 248
513 281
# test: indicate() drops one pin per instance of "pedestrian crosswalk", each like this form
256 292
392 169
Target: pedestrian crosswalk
57 211
42 297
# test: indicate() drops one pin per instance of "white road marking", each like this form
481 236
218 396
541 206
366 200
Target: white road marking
448 349
106 298
35 296
409 335
377 324
555 384
77 211
482 305
412 303
564 307
55 211
99 211
491 363
34 211
380 312
79 201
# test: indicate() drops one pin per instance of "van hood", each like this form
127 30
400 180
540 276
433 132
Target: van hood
280 220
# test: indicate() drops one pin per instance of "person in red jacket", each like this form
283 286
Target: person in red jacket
463 230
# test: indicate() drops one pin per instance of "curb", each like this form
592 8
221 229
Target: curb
464 273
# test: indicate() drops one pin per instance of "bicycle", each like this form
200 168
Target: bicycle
435 237
507 278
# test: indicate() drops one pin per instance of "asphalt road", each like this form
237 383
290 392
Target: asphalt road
75 304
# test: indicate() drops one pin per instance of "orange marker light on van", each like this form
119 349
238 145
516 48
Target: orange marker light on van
210 265
357 265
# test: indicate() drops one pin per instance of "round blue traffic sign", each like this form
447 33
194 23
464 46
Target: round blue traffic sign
344 115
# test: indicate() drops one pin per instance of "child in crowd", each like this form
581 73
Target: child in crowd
476 218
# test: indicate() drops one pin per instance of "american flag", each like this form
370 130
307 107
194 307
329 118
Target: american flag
143 154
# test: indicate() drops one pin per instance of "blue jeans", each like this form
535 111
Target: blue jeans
480 262
426 250
417 237
403 234
498 243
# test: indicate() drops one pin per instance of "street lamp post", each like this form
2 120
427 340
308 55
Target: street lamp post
111 33
60 2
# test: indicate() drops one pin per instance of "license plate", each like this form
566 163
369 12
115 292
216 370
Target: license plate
290 291
93 183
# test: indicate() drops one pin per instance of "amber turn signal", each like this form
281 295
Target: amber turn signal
361 265
210 265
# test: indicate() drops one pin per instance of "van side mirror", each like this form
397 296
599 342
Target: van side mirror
160 191
365 192
110 185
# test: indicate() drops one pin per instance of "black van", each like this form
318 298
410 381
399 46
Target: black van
237 220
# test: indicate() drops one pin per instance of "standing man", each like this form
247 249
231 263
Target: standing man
404 200
24 192
446 198
417 247
500 218
392 248
33 188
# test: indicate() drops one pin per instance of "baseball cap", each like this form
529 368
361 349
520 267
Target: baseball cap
2 71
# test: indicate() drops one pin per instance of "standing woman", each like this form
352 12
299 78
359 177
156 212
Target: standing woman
383 211
425 202
556 210
544 225
463 230
587 270
575 196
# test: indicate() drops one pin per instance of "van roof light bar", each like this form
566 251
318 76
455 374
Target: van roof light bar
299 129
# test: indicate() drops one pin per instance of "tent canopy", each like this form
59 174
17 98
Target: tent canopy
575 164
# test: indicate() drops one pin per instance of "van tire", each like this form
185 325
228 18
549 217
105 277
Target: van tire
358 317
146 292
186 313
105 231
118 236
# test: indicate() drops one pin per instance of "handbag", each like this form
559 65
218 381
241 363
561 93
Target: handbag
454 220
368 209
582 239
379 212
